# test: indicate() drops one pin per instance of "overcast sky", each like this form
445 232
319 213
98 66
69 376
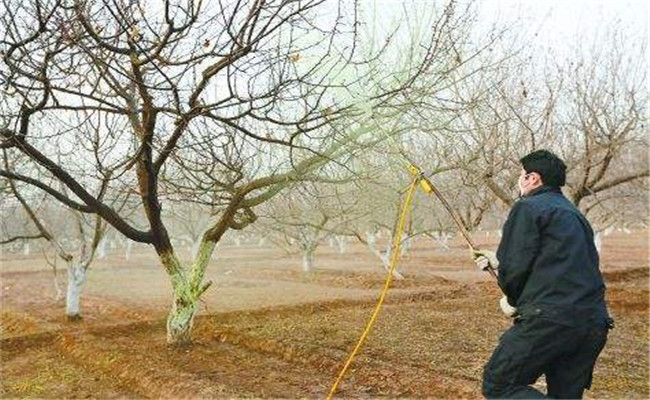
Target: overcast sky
555 24
558 22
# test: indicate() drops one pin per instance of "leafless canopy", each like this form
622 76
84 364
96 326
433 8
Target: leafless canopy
216 102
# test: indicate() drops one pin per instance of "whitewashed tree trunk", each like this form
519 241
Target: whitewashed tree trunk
101 249
26 249
181 317
58 293
598 242
383 256
386 256
444 240
385 260
341 242
308 259
76 280
187 289
195 247
405 247
127 251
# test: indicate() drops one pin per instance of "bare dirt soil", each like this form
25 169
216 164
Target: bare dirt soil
268 330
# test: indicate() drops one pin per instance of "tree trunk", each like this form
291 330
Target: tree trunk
181 317
341 243
442 238
383 256
76 280
101 249
307 259
187 289
405 247
196 244
598 242
127 252
58 293
385 260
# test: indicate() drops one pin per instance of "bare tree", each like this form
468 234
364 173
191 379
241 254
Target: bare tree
220 104
308 214
608 96
587 109
78 250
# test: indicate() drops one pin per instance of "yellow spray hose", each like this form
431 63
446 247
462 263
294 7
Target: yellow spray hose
406 208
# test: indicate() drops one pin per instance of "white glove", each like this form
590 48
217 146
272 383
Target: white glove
485 259
482 263
507 309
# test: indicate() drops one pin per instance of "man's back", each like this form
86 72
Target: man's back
548 270
548 261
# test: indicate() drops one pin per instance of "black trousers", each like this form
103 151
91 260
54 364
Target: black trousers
533 347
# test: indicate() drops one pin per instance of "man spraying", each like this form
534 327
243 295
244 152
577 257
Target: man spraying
548 270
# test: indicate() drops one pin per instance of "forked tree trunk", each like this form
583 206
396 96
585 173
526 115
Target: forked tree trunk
187 288
76 280
341 243
385 260
383 256
442 239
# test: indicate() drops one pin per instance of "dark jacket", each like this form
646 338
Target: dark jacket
548 263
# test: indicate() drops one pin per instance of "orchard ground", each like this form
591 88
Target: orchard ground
268 330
